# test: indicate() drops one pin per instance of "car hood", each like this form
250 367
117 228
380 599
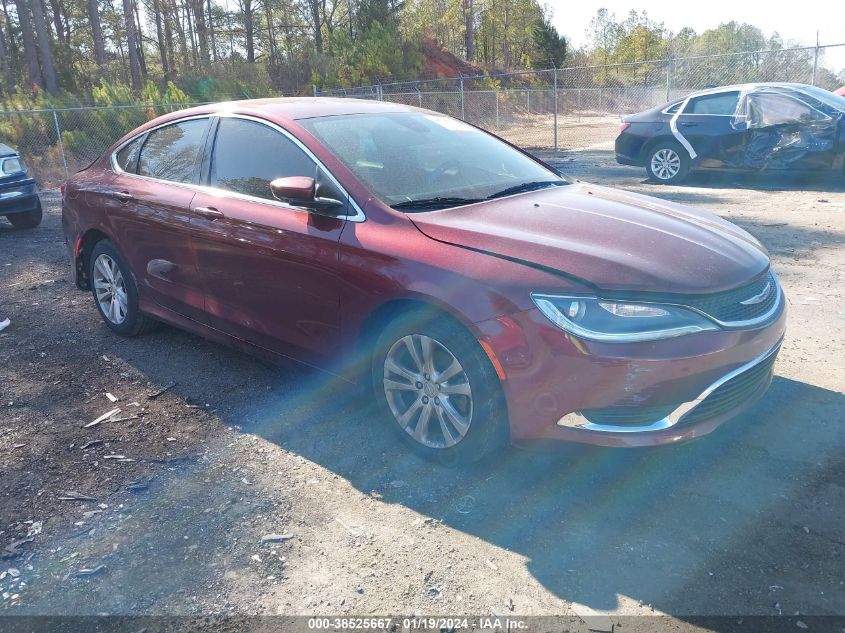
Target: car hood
614 240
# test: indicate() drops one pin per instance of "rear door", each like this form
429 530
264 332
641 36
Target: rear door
707 122
149 208
270 270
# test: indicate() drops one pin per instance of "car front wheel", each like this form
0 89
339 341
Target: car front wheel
667 163
438 390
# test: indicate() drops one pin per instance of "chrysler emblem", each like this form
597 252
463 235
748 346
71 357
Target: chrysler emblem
758 298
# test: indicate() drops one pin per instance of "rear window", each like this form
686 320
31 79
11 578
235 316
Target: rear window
172 152
723 103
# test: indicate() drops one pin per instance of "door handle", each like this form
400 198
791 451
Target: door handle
123 196
209 212
689 124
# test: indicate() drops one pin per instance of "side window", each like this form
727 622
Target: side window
673 109
723 103
777 109
248 155
127 157
172 152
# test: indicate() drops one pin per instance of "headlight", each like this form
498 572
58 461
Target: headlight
615 321
9 166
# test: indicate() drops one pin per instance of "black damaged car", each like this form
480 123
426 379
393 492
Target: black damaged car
766 126
19 200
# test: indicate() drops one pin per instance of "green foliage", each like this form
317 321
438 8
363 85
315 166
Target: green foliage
378 54
550 45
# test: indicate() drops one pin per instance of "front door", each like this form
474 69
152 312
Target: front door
270 270
787 131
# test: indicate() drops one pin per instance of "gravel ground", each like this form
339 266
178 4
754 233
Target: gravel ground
746 521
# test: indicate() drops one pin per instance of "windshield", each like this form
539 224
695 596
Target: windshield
415 160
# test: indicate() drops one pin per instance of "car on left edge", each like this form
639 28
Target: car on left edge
19 200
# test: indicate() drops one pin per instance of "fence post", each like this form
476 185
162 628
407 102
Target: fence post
314 87
497 107
816 58
61 144
668 79
419 94
528 99
463 111
555 118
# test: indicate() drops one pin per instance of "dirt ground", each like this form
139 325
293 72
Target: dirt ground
746 521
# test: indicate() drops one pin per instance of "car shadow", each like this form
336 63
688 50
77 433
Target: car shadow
667 526
713 527
767 181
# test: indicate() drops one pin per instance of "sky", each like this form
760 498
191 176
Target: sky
784 17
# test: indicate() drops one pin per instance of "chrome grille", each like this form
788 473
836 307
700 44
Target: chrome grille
728 307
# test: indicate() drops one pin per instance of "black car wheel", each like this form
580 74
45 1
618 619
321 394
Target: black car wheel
667 162
438 390
28 219
115 292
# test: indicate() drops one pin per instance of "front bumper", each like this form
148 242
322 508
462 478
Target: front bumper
637 394
735 390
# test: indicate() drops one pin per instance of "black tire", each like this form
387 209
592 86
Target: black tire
670 149
134 322
488 430
27 219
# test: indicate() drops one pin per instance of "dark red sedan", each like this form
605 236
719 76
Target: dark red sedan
485 297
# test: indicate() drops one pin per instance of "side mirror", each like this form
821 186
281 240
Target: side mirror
301 191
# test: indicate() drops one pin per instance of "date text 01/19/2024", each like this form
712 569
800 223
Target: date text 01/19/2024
418 623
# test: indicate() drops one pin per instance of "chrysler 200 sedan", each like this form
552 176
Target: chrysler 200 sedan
481 295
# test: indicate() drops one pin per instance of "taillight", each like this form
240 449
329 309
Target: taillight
62 188
624 126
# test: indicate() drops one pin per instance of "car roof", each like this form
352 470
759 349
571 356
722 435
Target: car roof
294 108
5 150
749 86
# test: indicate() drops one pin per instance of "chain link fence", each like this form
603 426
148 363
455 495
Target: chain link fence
57 142
567 109
579 107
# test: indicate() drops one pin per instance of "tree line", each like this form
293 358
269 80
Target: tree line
217 49
257 47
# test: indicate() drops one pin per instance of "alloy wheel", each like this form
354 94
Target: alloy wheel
665 163
428 391
110 289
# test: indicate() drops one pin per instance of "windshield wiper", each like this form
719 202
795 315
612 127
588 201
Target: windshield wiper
435 203
527 186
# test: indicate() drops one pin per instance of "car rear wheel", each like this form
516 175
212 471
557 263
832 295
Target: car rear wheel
667 162
438 390
115 292
28 219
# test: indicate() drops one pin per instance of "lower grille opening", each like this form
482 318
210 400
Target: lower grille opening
733 393
721 400
627 415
